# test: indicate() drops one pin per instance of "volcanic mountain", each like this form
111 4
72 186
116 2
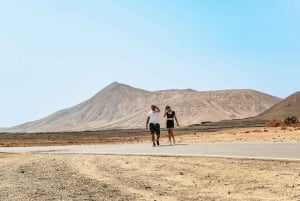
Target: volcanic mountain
121 106
285 108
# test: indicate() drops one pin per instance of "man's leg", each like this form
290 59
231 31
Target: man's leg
153 139
157 141
152 130
157 133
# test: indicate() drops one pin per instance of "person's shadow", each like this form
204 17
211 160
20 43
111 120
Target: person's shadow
166 145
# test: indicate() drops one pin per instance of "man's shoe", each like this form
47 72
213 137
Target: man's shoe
154 145
157 142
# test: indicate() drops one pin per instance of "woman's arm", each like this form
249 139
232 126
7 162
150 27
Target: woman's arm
176 120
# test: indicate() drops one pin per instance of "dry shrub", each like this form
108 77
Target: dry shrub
288 122
291 120
275 123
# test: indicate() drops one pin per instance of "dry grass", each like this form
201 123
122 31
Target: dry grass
275 123
283 123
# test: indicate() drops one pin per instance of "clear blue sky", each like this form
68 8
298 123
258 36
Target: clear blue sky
57 53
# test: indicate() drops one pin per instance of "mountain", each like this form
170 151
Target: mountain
122 106
2 129
285 108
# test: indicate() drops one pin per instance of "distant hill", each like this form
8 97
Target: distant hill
285 108
122 106
2 129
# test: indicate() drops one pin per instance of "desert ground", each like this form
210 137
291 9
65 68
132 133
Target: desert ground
107 177
36 176
252 134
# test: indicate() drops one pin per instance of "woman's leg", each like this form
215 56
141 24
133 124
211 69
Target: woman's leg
169 135
172 134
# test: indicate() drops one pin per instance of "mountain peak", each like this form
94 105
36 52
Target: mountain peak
114 84
117 86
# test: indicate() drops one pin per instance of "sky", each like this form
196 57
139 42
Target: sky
57 53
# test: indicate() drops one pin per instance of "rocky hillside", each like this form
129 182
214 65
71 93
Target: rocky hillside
122 106
285 108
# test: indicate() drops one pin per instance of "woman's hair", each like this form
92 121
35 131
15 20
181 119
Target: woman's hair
168 107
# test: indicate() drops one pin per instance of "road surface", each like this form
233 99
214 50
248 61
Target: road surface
248 150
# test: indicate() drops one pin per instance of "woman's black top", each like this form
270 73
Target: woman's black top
170 114
170 120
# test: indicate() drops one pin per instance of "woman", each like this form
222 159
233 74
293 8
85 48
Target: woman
170 114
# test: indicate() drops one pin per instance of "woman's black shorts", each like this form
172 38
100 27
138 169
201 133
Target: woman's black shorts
170 123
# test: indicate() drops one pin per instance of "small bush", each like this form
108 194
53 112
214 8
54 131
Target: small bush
275 123
289 121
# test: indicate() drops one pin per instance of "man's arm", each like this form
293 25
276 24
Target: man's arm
157 109
147 122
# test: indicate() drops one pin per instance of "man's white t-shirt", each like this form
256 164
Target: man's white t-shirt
153 117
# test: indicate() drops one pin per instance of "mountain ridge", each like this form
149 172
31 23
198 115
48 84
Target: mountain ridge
122 106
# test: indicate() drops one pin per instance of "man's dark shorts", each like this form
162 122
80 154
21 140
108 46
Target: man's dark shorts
154 128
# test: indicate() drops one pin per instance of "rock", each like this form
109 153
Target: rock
181 173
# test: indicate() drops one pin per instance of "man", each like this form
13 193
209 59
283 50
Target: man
153 122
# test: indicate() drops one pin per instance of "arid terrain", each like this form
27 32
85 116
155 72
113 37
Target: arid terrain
211 134
95 177
102 177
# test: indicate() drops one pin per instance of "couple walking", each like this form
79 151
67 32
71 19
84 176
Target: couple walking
154 126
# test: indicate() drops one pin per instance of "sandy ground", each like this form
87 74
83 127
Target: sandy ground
258 134
41 177
225 135
105 177
245 135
